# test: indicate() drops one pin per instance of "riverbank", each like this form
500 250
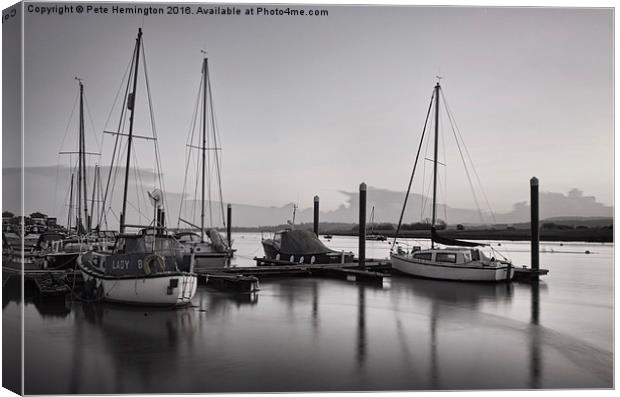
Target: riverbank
600 234
587 235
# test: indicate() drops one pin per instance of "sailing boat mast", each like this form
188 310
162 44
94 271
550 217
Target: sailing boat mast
372 220
92 201
70 214
437 87
82 193
204 146
131 107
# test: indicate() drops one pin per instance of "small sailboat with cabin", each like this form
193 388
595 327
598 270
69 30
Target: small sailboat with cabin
146 267
206 244
447 259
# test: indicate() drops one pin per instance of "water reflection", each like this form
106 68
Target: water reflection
11 290
136 345
315 306
46 306
308 334
470 295
434 365
11 334
218 302
361 326
535 353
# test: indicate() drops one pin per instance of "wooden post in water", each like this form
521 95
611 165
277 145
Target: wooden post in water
228 225
535 366
362 227
534 225
316 215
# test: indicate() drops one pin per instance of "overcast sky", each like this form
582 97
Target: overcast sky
316 105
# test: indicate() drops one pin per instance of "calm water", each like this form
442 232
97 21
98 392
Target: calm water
304 334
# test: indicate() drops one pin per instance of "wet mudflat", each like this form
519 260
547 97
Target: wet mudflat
307 334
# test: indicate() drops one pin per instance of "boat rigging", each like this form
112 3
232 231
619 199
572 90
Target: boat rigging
452 262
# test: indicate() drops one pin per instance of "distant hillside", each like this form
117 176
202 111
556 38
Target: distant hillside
47 190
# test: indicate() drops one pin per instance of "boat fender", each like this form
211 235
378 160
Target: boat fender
301 260
292 258
312 259
154 263
278 257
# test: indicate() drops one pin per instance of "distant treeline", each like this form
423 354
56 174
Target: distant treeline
588 230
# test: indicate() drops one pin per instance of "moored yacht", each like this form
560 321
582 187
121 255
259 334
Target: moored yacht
458 260
453 263
146 268
143 269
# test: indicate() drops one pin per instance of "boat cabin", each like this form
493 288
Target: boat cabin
145 254
451 255
187 237
146 244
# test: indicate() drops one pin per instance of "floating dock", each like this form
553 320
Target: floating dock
527 274
245 279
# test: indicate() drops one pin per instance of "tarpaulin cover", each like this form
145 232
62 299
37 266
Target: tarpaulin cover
452 242
302 242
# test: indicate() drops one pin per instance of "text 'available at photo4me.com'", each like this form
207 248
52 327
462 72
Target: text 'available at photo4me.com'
175 9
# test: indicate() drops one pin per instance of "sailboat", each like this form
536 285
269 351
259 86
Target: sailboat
63 253
208 247
457 260
372 235
144 267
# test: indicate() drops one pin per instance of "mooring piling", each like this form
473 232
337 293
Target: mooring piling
316 215
534 228
228 225
362 227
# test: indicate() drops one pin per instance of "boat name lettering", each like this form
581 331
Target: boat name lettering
121 264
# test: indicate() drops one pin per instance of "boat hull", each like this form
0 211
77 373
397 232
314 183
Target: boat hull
407 265
272 253
62 260
163 289
216 260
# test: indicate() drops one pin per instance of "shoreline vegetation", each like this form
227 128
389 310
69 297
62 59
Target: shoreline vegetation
595 230
564 229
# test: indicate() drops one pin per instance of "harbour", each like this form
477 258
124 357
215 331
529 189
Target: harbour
279 199
307 333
